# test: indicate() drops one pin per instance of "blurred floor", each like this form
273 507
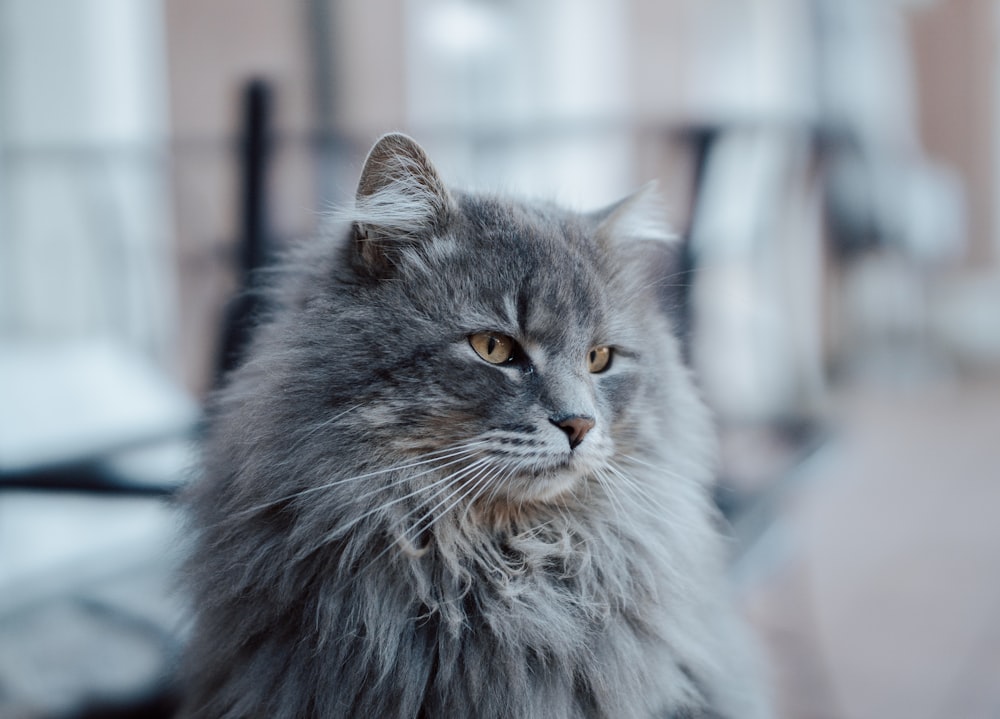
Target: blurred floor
877 591
88 613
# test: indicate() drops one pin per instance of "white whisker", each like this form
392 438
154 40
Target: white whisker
654 467
318 427
459 459
431 488
391 545
501 482
477 476
456 455
645 501
609 491
471 490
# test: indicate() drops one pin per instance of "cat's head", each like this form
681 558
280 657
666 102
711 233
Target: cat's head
487 350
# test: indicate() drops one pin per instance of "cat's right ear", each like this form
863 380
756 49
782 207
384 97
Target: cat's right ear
400 202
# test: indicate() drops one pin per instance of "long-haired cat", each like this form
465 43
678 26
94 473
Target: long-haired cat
463 473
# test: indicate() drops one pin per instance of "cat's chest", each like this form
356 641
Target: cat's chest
550 630
542 585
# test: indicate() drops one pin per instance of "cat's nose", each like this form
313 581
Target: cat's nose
575 426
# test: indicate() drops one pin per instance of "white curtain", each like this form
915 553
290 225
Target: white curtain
85 228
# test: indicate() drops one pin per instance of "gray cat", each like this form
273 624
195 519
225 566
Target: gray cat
463 473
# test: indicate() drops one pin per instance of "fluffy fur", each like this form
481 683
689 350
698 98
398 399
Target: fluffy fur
390 526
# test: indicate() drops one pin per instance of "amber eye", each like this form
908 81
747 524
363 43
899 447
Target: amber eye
599 359
492 347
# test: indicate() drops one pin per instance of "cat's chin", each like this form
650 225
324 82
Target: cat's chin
546 485
549 487
528 503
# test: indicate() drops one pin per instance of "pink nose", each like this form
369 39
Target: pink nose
575 427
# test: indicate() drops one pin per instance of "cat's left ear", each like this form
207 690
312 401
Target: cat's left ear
639 216
400 201
636 231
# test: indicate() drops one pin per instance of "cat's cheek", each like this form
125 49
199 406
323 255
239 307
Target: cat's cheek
618 392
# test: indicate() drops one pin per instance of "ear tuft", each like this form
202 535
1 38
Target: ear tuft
397 161
400 199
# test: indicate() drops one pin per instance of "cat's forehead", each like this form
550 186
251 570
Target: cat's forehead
526 238
539 267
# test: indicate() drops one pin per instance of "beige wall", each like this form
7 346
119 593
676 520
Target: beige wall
213 49
955 53
368 51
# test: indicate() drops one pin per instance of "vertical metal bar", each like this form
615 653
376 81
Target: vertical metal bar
242 311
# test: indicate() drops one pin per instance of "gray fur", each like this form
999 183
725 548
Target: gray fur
389 526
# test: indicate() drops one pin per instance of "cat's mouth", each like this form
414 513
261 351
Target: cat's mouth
517 472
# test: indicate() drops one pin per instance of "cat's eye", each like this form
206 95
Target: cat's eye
599 359
492 347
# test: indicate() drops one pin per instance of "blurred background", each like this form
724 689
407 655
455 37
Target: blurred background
831 166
